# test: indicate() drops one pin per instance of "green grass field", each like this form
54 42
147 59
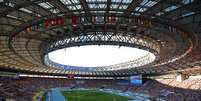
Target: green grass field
92 95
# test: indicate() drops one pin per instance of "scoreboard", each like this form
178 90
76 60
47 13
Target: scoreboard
136 79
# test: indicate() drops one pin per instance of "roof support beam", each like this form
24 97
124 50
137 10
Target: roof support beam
132 6
160 6
194 7
85 7
60 6
24 4
108 6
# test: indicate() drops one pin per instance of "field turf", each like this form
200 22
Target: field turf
92 95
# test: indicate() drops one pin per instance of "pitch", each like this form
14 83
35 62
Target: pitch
92 95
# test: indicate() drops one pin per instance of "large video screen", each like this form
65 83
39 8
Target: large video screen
136 79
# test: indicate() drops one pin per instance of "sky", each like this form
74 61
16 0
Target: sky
94 55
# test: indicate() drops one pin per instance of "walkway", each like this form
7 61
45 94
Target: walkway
55 95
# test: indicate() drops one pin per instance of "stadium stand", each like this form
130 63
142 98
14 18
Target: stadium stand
168 30
23 89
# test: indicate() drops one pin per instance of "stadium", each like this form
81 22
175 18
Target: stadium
100 50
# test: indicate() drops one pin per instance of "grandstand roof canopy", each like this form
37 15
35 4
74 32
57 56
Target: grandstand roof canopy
169 29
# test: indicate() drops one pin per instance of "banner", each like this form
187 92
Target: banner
111 19
75 20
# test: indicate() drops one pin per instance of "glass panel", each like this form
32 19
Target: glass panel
187 1
123 6
140 9
72 5
127 1
75 1
97 5
46 5
54 10
96 0
160 13
14 17
114 6
188 14
66 2
117 1
25 10
170 8
10 4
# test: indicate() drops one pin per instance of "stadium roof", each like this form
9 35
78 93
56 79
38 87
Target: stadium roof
170 29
